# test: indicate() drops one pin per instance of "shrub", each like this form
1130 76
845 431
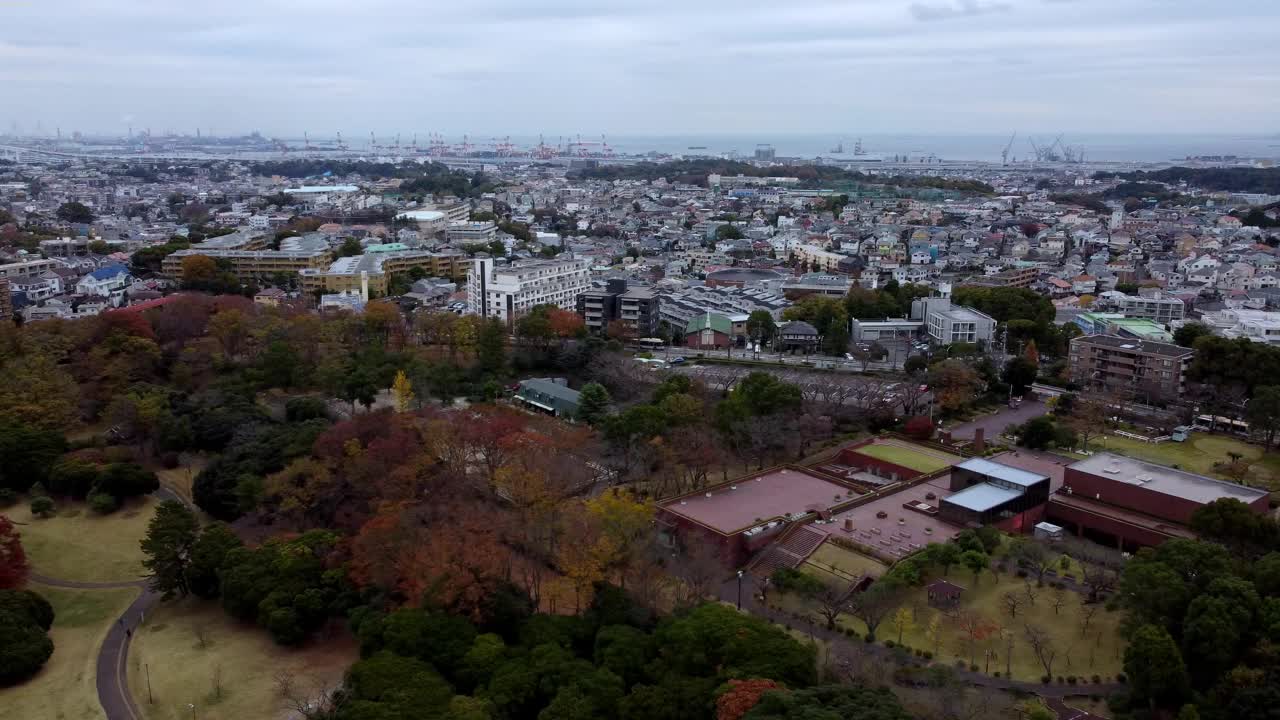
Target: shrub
919 652
1046 679
103 504
997 673
868 638
1061 679
1071 679
888 643
42 506
124 480
973 668
1120 678
1096 679
928 654
170 460
7 497
24 644
1022 573
305 408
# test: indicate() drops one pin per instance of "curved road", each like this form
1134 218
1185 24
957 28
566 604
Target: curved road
113 657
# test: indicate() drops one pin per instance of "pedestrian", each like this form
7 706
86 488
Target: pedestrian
128 632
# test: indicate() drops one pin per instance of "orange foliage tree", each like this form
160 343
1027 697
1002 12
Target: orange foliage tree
742 695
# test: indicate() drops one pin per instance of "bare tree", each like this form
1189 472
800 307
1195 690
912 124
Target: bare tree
1030 591
311 700
217 681
1087 611
874 604
1099 580
1042 646
701 569
1012 604
1059 599
202 634
832 602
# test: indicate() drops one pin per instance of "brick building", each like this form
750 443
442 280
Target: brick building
1129 367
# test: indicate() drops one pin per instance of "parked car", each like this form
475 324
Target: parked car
677 360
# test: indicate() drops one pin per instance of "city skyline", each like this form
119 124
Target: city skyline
654 69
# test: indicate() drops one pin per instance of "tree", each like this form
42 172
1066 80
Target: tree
42 506
761 326
74 212
954 383
593 403
1033 555
919 427
827 702
741 696
1263 412
168 545
208 553
491 346
1154 666
13 560
874 604
976 562
1187 335
25 618
1020 373
902 621
1038 433
1088 418
1041 646
198 270
402 392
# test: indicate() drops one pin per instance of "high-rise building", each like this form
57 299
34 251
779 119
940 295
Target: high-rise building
508 292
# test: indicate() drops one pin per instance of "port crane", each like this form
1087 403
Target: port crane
1004 154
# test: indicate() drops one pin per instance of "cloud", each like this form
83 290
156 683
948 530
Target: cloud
646 67
957 9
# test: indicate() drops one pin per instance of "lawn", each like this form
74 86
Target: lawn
65 689
1099 652
78 544
183 670
848 563
918 460
1198 454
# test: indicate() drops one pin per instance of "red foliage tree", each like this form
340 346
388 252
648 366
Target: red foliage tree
741 696
125 322
919 427
13 560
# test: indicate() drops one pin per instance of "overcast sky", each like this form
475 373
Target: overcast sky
653 67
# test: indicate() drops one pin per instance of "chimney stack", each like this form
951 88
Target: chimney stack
364 285
979 441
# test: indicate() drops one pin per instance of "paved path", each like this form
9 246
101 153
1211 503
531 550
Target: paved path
996 423
113 657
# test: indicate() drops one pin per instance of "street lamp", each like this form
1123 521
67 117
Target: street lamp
739 589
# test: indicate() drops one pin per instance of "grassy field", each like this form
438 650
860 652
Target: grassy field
65 689
918 460
183 669
78 544
1100 651
850 564
1199 454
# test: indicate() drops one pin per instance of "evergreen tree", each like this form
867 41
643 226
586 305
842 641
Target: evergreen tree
171 536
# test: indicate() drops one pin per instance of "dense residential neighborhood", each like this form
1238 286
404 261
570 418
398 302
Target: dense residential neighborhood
648 437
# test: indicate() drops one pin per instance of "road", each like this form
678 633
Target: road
995 424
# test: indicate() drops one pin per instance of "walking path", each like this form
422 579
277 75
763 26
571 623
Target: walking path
113 656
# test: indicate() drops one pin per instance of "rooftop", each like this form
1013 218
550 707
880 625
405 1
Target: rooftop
729 508
1165 480
1143 346
318 189
983 497
996 470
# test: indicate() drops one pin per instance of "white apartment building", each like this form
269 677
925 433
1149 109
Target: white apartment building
460 233
508 292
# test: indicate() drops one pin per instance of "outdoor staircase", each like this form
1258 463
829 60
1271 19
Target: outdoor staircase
791 549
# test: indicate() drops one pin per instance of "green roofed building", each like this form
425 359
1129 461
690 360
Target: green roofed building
549 395
708 332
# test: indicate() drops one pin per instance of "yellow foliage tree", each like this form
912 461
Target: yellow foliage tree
901 622
402 391
933 632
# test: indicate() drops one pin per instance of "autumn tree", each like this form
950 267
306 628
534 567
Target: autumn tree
402 392
954 383
977 629
198 270
13 560
741 695
901 621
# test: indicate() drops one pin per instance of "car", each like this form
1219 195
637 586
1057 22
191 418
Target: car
924 388
848 356
677 360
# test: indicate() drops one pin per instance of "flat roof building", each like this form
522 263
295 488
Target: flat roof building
1129 366
1130 503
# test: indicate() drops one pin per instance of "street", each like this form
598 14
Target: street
995 424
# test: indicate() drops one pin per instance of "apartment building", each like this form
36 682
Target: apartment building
253 264
1157 307
637 309
27 269
462 233
373 271
507 292
1014 277
824 261
1129 366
